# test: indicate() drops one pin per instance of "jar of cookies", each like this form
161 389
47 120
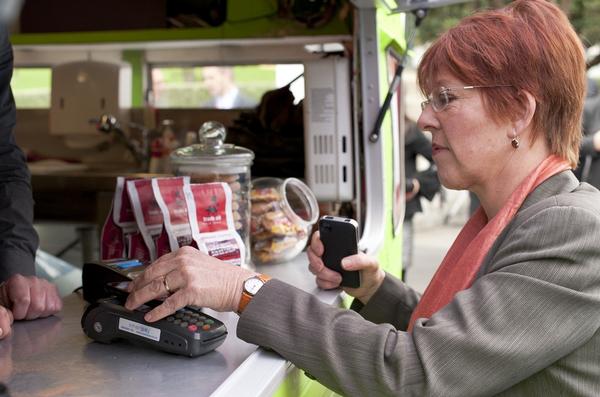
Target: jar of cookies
283 213
213 160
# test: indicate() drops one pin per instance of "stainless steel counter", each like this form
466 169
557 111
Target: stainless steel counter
52 357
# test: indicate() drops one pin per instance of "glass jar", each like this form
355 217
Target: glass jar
283 212
213 160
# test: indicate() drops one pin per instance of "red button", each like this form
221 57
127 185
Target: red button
206 327
193 327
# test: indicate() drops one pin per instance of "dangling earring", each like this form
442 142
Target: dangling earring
515 142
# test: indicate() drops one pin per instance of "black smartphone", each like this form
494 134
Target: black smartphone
340 239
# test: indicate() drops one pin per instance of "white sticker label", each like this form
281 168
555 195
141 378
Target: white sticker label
139 329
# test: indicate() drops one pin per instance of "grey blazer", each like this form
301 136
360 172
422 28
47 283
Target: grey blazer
528 326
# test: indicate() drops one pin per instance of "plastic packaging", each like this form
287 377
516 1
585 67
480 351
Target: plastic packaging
283 212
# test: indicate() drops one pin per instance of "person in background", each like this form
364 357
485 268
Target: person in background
592 88
418 184
22 295
513 308
589 156
220 83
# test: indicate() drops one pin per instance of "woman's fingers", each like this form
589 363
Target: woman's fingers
315 263
154 289
160 267
328 283
173 303
316 244
359 261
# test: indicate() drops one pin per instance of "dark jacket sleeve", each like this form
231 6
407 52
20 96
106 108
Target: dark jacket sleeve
18 239
417 144
591 124
428 179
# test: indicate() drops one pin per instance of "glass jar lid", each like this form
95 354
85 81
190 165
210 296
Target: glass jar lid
212 148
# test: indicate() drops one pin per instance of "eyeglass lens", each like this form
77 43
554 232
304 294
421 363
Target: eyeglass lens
439 100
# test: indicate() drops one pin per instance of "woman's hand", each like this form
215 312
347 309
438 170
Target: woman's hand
371 275
188 277
29 297
326 278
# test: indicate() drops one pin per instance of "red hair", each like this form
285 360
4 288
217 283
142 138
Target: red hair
529 45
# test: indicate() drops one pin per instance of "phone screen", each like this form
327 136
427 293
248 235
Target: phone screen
119 285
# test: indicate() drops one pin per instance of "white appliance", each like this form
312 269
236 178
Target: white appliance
328 129
84 90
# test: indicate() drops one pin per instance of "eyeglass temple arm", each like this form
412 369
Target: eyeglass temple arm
420 14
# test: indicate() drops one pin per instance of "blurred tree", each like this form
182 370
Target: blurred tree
583 14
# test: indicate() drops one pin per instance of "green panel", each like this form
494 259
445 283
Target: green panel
268 27
244 10
390 35
296 384
136 60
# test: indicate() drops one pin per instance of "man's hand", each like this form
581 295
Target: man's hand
415 190
6 319
29 297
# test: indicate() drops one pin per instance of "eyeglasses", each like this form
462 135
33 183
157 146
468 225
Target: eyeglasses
441 99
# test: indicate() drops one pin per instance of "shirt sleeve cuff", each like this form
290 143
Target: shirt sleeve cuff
15 261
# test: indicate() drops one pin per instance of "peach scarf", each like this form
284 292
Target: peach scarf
460 265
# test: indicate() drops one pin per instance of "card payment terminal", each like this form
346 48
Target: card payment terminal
188 332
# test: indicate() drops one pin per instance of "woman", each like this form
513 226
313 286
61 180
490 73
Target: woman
514 307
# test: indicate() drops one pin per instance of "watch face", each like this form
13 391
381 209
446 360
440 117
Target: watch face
252 285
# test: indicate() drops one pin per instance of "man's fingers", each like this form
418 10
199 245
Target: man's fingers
5 322
38 289
53 303
19 295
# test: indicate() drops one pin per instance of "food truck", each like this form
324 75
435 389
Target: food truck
129 83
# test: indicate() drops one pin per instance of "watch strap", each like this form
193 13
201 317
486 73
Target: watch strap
247 297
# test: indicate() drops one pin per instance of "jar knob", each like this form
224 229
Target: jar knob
212 135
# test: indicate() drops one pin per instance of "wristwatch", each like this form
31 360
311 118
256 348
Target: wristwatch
251 287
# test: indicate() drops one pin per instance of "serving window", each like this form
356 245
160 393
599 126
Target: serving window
220 86
31 87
